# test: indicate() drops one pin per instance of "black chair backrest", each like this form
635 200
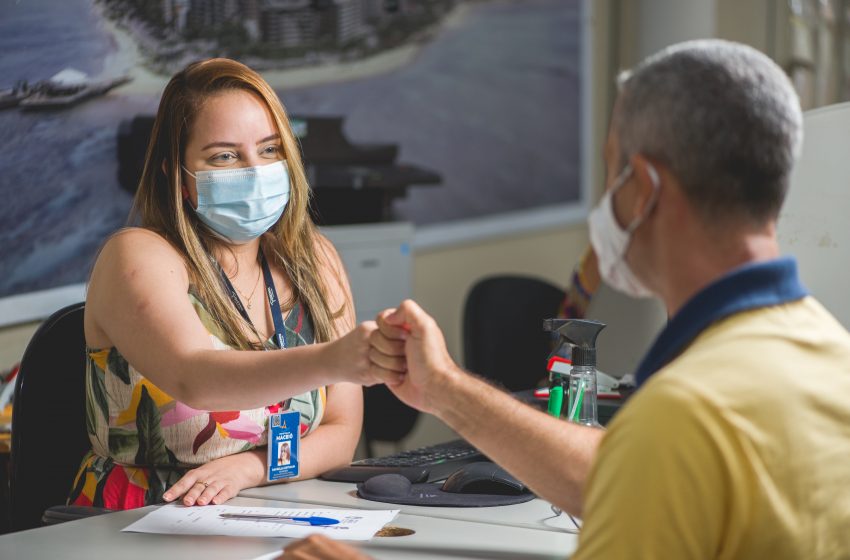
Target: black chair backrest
503 337
385 418
49 436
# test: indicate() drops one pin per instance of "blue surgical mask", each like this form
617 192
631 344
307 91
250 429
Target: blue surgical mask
242 204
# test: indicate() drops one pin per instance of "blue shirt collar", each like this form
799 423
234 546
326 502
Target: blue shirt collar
748 287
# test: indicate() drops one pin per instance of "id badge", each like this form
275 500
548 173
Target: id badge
284 443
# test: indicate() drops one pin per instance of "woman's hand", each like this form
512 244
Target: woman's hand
348 357
219 480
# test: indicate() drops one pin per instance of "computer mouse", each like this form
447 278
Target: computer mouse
483 477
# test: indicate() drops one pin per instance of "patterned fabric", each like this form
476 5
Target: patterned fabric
143 440
580 291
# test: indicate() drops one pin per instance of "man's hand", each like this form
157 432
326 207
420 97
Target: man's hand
409 353
320 547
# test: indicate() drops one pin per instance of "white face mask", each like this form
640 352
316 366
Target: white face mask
610 241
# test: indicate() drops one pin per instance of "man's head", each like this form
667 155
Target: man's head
699 155
723 118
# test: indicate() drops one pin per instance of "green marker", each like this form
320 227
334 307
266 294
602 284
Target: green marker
556 400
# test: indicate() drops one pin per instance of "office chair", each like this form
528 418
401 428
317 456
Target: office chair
385 418
503 337
49 436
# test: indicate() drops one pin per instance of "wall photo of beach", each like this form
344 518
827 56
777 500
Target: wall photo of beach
464 108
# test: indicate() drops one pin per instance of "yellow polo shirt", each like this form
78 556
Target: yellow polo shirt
739 448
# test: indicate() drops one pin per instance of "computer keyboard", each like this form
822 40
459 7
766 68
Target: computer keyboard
430 463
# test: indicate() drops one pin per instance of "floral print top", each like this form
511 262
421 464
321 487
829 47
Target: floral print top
144 440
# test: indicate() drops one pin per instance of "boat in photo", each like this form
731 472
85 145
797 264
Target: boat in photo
66 89
11 97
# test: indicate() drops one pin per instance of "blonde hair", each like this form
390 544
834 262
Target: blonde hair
160 206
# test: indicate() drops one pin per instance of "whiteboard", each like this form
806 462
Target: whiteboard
814 225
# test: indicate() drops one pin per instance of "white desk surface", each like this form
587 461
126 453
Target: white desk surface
101 537
536 514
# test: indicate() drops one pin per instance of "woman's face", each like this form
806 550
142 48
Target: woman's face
233 129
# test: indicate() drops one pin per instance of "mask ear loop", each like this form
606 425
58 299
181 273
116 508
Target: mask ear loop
656 192
184 190
653 175
621 178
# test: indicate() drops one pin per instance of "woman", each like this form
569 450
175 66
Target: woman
226 263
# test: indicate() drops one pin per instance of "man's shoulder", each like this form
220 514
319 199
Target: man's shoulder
761 347
802 320
755 365
662 413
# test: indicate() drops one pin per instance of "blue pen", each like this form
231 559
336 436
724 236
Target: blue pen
312 520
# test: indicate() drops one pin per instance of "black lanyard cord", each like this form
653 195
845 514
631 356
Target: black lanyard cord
271 294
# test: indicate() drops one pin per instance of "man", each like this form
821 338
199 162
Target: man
737 442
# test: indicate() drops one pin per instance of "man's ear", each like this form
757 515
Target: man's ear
649 180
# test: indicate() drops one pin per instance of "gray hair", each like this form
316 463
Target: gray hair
723 117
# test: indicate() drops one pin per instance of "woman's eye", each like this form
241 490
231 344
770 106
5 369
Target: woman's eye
225 157
271 151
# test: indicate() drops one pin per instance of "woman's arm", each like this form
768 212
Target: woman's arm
331 445
333 442
137 302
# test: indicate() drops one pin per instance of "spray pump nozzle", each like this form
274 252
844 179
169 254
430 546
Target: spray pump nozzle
580 334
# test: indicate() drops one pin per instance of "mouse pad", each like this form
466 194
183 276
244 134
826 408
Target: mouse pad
396 489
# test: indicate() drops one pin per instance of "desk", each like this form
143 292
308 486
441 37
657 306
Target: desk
101 537
536 514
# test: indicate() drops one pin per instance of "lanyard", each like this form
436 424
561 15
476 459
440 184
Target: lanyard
277 316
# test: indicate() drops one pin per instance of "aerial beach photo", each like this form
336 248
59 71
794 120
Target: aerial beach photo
477 101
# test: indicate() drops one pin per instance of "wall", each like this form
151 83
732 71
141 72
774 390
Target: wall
752 22
13 341
664 22
645 26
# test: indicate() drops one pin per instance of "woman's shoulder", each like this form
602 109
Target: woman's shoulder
135 267
138 236
136 249
136 243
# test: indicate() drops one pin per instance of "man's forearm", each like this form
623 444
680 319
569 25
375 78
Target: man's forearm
551 456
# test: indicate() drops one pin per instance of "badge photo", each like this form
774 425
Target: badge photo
283 444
